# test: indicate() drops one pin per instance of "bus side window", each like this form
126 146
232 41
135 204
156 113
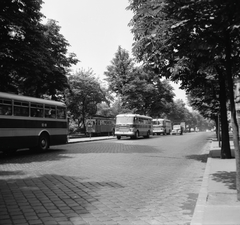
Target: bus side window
21 108
50 112
36 110
61 113
5 107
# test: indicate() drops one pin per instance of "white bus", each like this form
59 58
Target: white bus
27 122
133 125
162 126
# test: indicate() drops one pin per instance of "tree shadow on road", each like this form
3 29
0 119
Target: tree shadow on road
27 156
11 173
202 158
56 198
56 153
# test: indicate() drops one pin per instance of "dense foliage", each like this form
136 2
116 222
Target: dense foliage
139 88
33 56
84 95
194 42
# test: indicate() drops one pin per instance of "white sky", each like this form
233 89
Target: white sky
95 29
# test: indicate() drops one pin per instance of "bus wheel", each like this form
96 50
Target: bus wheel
148 134
118 137
136 135
43 142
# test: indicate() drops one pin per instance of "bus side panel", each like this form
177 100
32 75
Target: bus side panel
58 139
29 141
18 142
24 133
98 129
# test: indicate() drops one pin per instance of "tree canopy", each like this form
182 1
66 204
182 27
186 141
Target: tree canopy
191 41
141 91
84 95
33 56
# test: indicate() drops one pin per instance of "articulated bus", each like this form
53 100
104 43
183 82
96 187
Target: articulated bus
100 125
133 125
162 126
27 122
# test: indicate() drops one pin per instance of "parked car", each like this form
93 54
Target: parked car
177 129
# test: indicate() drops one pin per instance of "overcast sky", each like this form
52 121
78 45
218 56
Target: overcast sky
94 29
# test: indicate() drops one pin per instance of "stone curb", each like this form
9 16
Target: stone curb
77 140
197 218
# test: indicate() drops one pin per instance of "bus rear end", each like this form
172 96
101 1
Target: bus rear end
158 127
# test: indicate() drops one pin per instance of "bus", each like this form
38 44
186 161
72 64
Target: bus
100 125
28 122
133 126
162 126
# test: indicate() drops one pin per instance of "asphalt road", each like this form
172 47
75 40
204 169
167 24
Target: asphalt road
113 182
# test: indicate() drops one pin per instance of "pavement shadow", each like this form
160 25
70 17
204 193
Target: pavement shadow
228 178
189 205
61 152
26 156
202 158
11 173
111 147
54 198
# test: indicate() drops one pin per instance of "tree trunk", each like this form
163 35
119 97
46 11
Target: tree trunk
217 126
236 146
225 147
233 112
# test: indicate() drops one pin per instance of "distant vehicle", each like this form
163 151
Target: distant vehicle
27 122
100 125
162 126
177 129
133 125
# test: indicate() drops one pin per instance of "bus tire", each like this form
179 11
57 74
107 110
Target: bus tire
148 134
136 135
43 142
118 137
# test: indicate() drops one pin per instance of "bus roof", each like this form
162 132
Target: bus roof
160 119
30 99
133 115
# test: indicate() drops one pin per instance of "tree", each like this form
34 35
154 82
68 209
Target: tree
178 111
140 89
33 56
84 95
193 38
147 94
173 39
118 73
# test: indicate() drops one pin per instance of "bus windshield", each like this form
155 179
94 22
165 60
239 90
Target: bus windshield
124 119
157 122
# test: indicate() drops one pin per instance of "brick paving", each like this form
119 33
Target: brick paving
114 182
